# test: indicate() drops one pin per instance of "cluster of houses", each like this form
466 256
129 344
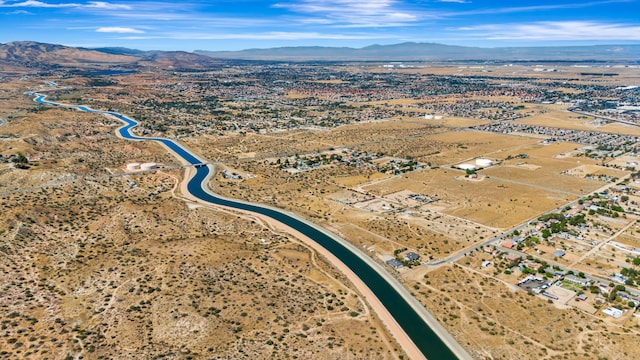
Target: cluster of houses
341 156
588 137
539 285
398 166
234 176
409 258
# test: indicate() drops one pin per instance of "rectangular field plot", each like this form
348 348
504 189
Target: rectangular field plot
491 202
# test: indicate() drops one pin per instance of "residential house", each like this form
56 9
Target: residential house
577 280
613 312
411 256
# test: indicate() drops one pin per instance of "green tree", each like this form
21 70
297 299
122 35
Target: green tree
20 159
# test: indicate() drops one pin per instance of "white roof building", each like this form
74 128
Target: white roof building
613 312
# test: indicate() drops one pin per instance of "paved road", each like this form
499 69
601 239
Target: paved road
496 239
603 243
604 117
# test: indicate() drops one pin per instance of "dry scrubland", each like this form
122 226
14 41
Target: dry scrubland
511 192
372 137
500 322
488 316
490 202
545 165
308 193
96 267
465 144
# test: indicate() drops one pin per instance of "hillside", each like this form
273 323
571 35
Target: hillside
40 55
44 56
178 60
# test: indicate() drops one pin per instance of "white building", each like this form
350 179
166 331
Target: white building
577 280
613 312
133 166
148 166
483 162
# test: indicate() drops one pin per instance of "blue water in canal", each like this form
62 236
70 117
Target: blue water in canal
421 334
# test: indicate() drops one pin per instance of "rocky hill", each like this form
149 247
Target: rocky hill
46 56
40 55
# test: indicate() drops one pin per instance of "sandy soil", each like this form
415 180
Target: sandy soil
407 345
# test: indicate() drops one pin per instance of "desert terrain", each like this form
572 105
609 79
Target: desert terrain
485 186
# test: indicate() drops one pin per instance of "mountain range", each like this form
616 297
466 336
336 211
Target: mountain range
411 51
39 55
31 54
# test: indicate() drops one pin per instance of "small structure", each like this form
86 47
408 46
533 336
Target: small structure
559 253
619 278
577 280
512 257
531 283
411 256
483 162
394 263
623 295
613 312
574 211
133 166
148 166
507 244
605 289
532 265
467 166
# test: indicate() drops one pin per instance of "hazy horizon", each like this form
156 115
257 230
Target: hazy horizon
247 24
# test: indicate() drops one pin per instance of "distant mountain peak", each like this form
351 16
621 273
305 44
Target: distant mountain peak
43 55
415 51
33 54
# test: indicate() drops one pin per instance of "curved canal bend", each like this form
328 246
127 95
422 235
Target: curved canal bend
396 299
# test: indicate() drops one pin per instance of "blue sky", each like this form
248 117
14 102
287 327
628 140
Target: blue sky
239 24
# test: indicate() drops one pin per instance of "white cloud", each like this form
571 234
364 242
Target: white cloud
106 6
556 30
273 35
119 30
19 12
355 13
518 9
33 3
90 5
455 1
